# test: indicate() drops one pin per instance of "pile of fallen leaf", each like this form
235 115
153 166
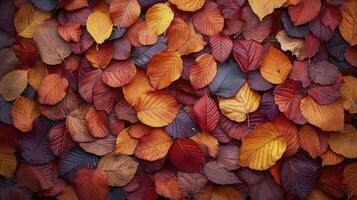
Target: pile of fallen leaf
178 99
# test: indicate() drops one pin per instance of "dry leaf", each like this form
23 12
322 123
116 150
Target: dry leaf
13 84
158 18
296 46
24 112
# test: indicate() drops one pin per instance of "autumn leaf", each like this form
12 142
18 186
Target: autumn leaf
52 89
124 13
207 140
208 20
139 86
99 24
263 8
125 144
203 71
349 94
238 107
348 27
188 5
341 142
262 148
177 34
164 68
8 161
158 18
276 66
24 112
296 46
13 84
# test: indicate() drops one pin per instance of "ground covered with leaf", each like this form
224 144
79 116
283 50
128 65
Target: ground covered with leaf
178 99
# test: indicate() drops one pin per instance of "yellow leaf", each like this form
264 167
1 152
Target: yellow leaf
236 108
99 25
125 143
137 87
157 109
328 117
37 73
209 141
344 142
263 8
8 161
348 26
276 66
164 68
154 146
349 94
24 112
331 158
158 18
120 169
188 5
262 148
295 45
28 18
13 84
350 180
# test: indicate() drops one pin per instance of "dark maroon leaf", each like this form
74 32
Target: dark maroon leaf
78 16
299 174
319 29
7 15
60 140
267 107
248 54
330 180
299 72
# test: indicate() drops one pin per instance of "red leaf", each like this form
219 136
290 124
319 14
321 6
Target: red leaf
304 12
60 140
330 180
331 17
207 113
248 54
299 73
186 155
91 184
26 51
221 47
119 73
70 32
290 134
254 28
97 123
312 45
288 96
121 49
324 94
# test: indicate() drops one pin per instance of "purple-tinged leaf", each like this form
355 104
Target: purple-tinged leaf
78 16
228 157
293 31
5 110
268 189
60 140
182 126
7 15
45 5
142 55
257 82
336 46
267 107
324 94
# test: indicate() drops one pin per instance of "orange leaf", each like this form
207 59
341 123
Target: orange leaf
132 34
209 19
37 73
158 17
147 36
195 42
164 68
101 55
166 185
97 123
331 158
76 4
154 146
52 89
91 184
203 71
226 193
177 34
157 109
207 140
276 66
124 13
125 143
350 179
70 32
76 125
24 112
137 87
138 130
309 140
119 73
8 161
327 117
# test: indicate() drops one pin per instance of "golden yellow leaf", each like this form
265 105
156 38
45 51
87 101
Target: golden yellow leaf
328 117
344 142
120 169
28 18
13 84
158 18
154 146
262 148
309 140
263 8
195 42
331 158
99 24
125 143
24 112
164 68
188 5
350 180
37 73
276 66
349 94
295 45
348 26
156 109
137 87
317 194
236 108
8 161
209 141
